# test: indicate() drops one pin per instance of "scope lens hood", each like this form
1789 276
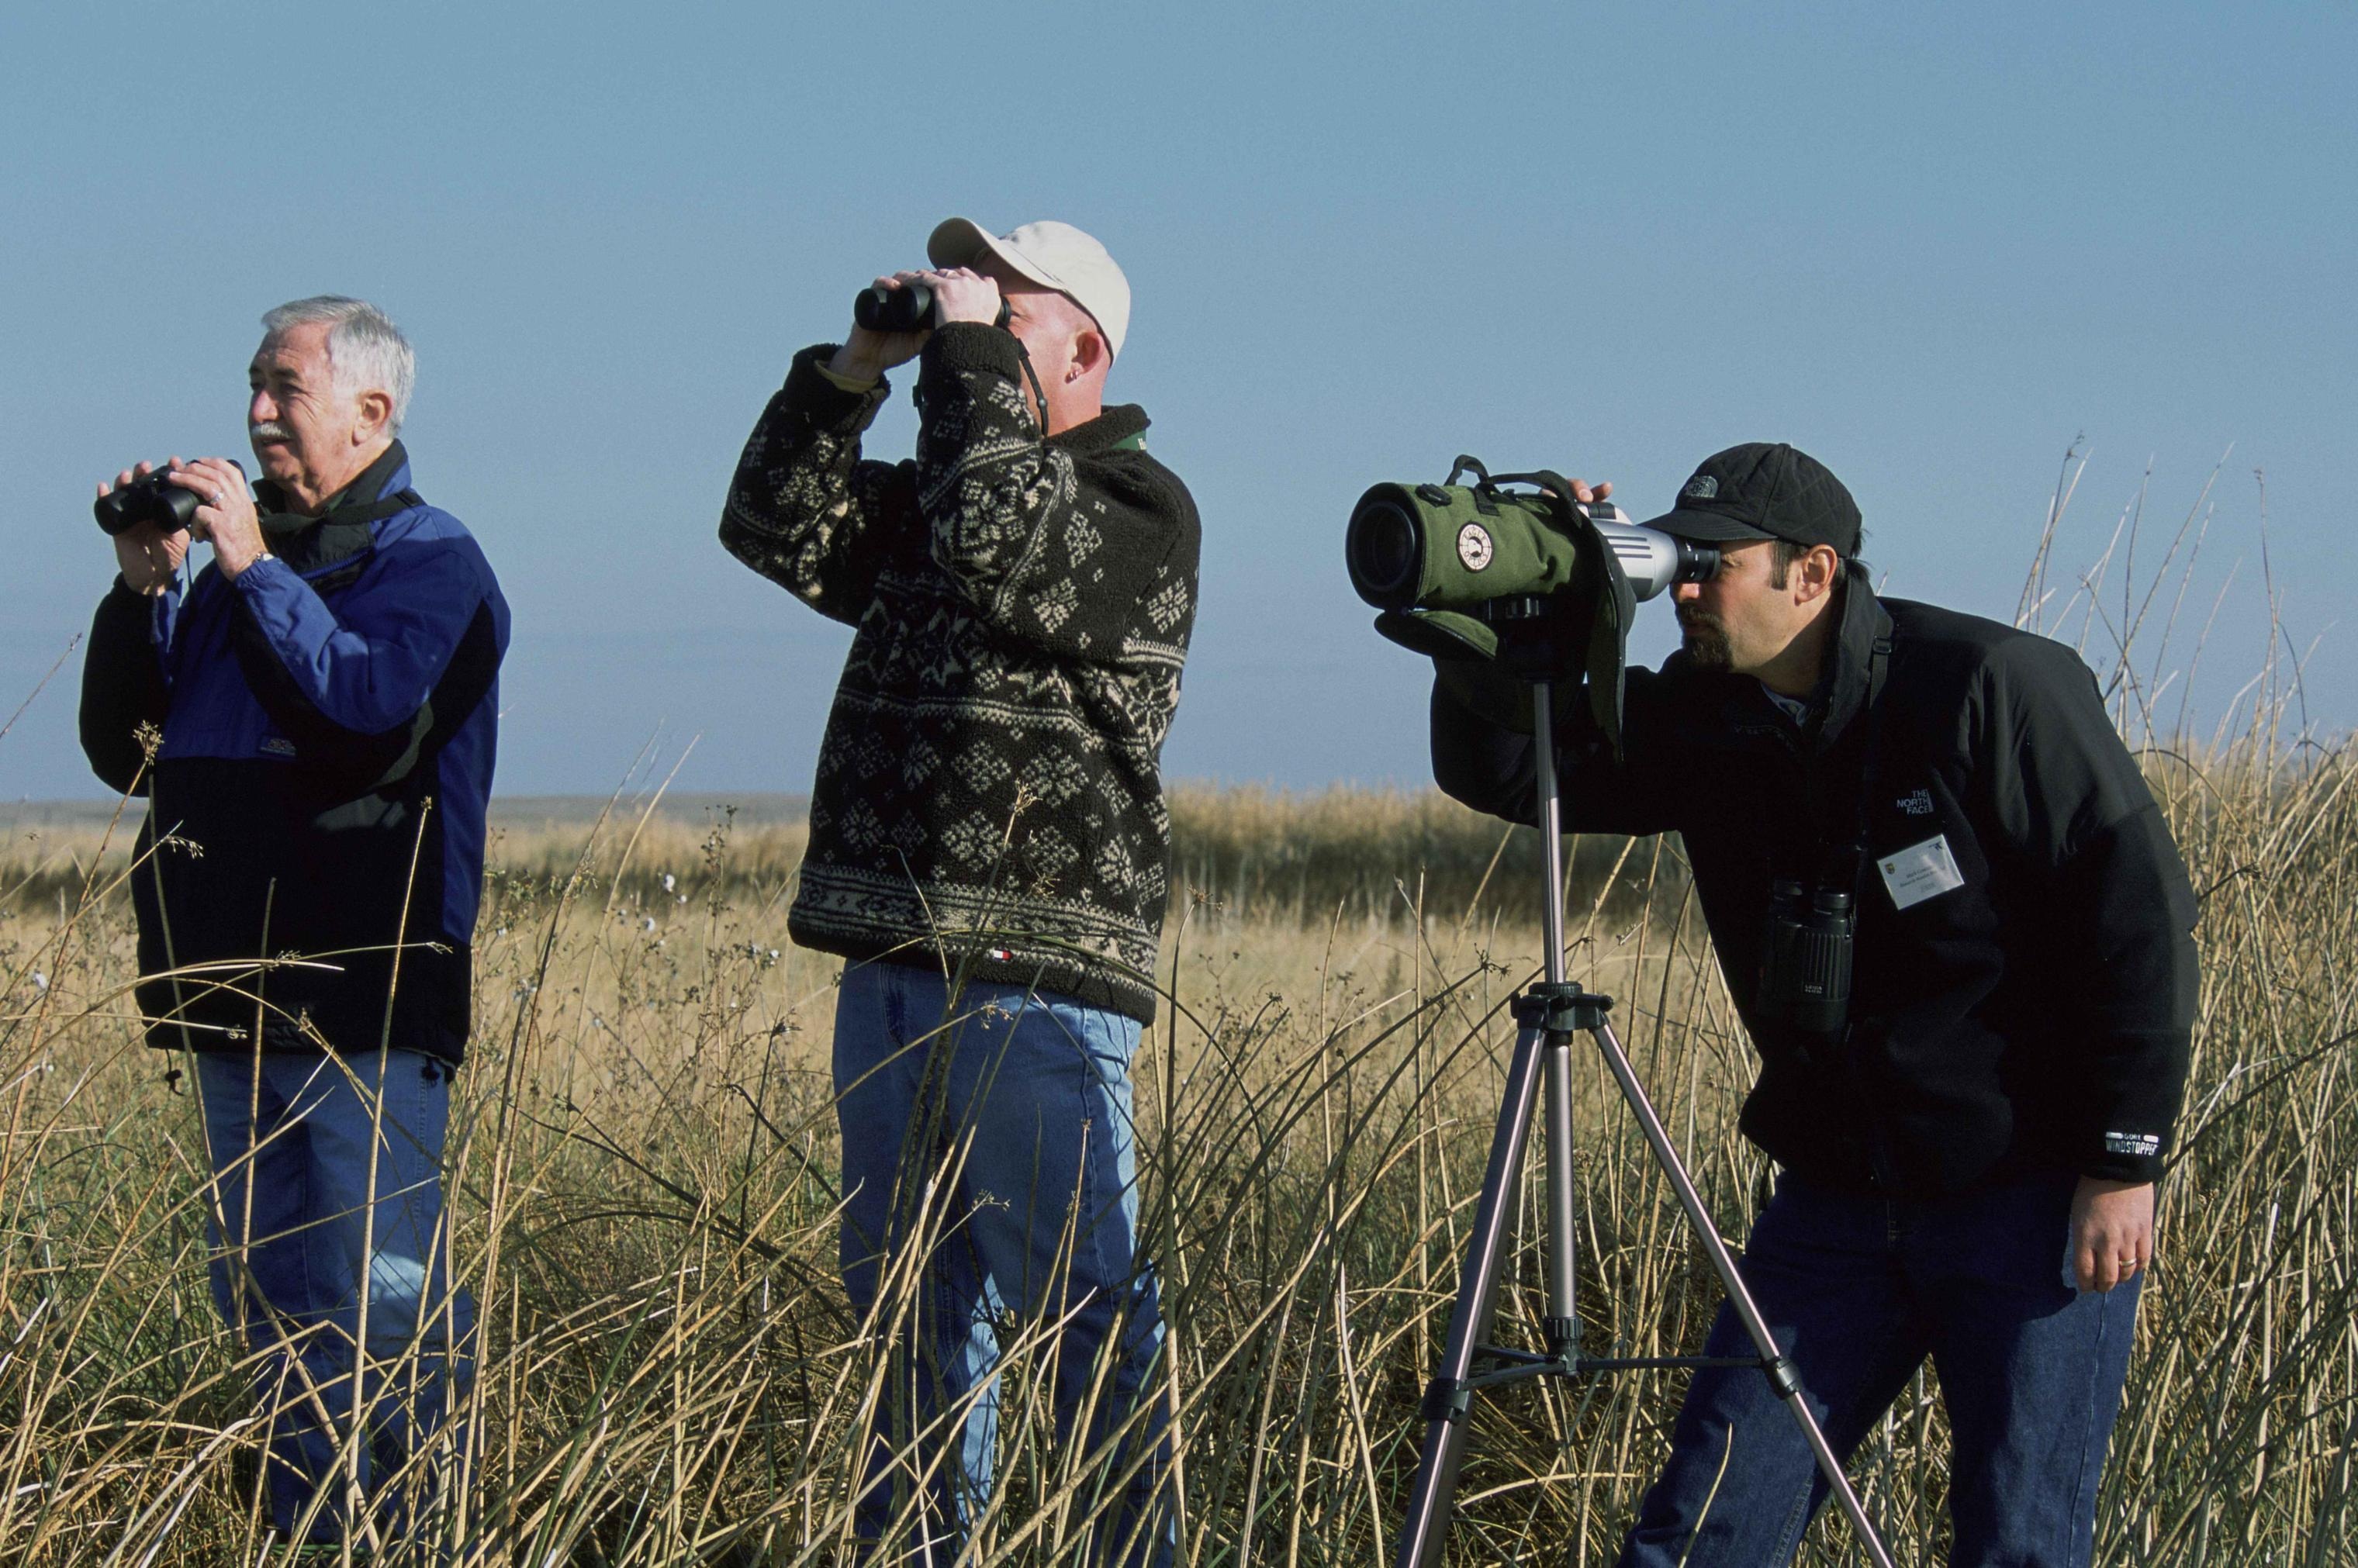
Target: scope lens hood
1384 549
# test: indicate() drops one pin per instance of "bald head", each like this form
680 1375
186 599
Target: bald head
1068 349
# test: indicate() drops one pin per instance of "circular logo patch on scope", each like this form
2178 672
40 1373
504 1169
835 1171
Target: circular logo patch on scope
1474 546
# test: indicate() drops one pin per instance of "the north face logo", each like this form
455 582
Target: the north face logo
1702 487
1916 805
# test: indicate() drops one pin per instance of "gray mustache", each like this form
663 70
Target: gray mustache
269 430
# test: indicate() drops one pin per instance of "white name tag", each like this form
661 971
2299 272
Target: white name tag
1921 871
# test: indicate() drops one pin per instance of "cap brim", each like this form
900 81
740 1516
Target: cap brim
962 242
1711 527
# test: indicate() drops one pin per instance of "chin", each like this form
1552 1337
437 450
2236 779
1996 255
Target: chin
1710 653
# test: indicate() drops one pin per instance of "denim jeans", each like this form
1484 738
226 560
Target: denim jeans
292 1213
1859 1292
993 1129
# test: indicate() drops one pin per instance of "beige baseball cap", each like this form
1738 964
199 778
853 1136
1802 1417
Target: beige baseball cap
1054 255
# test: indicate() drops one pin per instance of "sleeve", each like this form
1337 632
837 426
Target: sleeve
804 510
1482 753
1077 556
372 669
122 685
2069 799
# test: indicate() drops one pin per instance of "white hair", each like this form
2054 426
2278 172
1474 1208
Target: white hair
365 350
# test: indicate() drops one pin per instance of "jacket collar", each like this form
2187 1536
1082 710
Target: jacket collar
307 543
1863 624
1123 422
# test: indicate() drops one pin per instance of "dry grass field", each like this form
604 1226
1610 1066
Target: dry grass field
645 1163
644 1168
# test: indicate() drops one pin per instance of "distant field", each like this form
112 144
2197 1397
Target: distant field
1242 853
507 810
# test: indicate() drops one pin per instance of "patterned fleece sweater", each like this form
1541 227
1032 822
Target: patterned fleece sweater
989 789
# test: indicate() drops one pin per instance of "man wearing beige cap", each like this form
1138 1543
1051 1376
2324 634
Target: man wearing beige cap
987 851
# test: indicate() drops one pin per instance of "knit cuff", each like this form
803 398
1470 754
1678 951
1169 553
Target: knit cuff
964 346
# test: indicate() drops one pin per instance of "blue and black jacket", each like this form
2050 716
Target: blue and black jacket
323 731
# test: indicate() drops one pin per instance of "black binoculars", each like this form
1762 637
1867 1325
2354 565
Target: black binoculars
1806 963
908 309
150 498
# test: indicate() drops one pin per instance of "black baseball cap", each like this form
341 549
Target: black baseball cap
1759 491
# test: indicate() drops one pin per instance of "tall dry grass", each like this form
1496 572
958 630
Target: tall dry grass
644 1173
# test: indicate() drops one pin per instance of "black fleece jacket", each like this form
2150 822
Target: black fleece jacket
2037 1017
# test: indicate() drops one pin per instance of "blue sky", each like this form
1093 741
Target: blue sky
1931 245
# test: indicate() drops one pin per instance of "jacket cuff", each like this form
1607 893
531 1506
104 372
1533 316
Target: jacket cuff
821 401
965 346
2126 1157
258 576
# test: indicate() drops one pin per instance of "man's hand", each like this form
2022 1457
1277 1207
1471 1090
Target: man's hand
960 294
226 519
2112 1232
146 556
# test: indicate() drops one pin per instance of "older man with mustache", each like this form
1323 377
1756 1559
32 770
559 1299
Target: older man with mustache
313 718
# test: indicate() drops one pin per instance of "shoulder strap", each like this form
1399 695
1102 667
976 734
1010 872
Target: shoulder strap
1870 759
1615 605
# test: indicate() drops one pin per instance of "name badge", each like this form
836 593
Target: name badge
1921 871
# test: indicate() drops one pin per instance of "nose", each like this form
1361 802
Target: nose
260 405
1685 593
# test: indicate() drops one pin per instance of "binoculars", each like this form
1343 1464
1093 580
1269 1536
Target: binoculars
150 498
908 309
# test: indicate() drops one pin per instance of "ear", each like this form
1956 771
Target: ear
1090 354
1819 570
376 413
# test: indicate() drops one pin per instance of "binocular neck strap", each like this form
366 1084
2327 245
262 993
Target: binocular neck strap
1028 374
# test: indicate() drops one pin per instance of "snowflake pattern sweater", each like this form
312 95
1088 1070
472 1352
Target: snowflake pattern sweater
989 789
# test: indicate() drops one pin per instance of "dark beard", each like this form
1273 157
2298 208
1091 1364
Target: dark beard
1706 646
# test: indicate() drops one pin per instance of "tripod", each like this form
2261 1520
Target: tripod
1547 1016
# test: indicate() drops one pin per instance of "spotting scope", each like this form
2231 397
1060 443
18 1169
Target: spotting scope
1449 564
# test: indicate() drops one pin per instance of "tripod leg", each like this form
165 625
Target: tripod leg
1446 1398
1778 1372
1563 1327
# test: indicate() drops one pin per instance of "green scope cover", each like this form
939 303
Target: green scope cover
1468 546
1480 545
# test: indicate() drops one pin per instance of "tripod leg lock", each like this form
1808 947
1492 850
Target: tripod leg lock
1560 1007
1446 1399
1781 1376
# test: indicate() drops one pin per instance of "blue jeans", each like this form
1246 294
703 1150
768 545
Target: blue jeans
1857 1292
992 1128
291 1213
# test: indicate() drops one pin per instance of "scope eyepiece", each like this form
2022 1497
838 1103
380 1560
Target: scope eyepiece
1654 561
1697 563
